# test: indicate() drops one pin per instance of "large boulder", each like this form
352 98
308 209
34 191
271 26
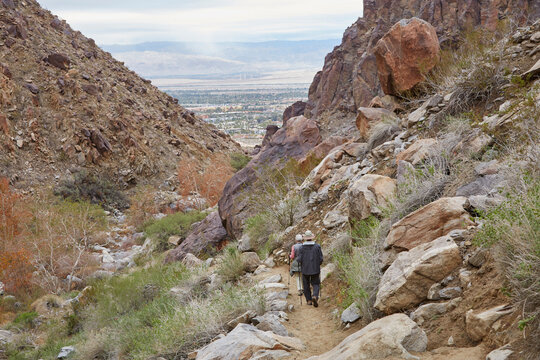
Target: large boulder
291 141
428 223
369 194
368 117
405 54
207 236
394 335
407 281
418 151
247 342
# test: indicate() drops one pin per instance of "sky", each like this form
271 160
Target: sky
135 21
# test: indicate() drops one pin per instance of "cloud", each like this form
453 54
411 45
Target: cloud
125 22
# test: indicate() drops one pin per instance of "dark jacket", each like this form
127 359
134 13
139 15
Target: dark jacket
310 258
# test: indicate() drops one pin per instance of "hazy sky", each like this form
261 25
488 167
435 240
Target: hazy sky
134 21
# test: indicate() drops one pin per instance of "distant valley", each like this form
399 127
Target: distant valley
240 87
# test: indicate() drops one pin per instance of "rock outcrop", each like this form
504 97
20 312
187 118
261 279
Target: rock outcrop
292 141
407 281
247 342
406 54
349 78
394 335
369 195
207 236
68 105
428 223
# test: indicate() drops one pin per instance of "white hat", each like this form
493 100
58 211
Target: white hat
298 237
308 235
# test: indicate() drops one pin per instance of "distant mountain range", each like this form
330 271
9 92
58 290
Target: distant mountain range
203 60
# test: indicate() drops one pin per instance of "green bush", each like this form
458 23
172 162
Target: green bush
25 320
232 264
175 224
512 230
239 161
93 188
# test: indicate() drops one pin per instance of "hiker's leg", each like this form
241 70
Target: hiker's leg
316 281
307 288
299 281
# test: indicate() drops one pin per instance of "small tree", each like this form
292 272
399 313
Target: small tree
61 234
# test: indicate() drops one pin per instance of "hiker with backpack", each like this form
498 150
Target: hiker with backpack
295 265
310 259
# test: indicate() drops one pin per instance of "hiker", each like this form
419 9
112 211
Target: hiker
311 258
295 265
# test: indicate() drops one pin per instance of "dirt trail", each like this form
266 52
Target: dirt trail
320 331
316 327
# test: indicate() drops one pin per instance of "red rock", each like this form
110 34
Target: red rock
99 141
90 89
294 110
406 54
270 131
58 60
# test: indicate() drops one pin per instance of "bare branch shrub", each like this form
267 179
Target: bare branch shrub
206 181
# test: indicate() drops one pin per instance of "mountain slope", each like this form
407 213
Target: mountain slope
66 104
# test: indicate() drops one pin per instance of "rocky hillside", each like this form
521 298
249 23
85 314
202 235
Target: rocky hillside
349 78
65 105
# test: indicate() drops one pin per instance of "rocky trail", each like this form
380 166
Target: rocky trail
318 328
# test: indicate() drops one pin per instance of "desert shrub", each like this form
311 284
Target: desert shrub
89 187
16 271
158 325
232 263
360 268
143 206
174 224
474 72
513 231
25 319
206 181
239 161
273 193
423 184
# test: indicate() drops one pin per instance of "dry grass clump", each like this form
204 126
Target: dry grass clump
359 267
513 231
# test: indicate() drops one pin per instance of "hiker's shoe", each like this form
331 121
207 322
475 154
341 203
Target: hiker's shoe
309 302
315 303
300 293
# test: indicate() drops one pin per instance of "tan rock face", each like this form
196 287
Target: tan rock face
478 324
417 151
368 117
368 194
394 335
246 342
428 223
407 281
406 54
